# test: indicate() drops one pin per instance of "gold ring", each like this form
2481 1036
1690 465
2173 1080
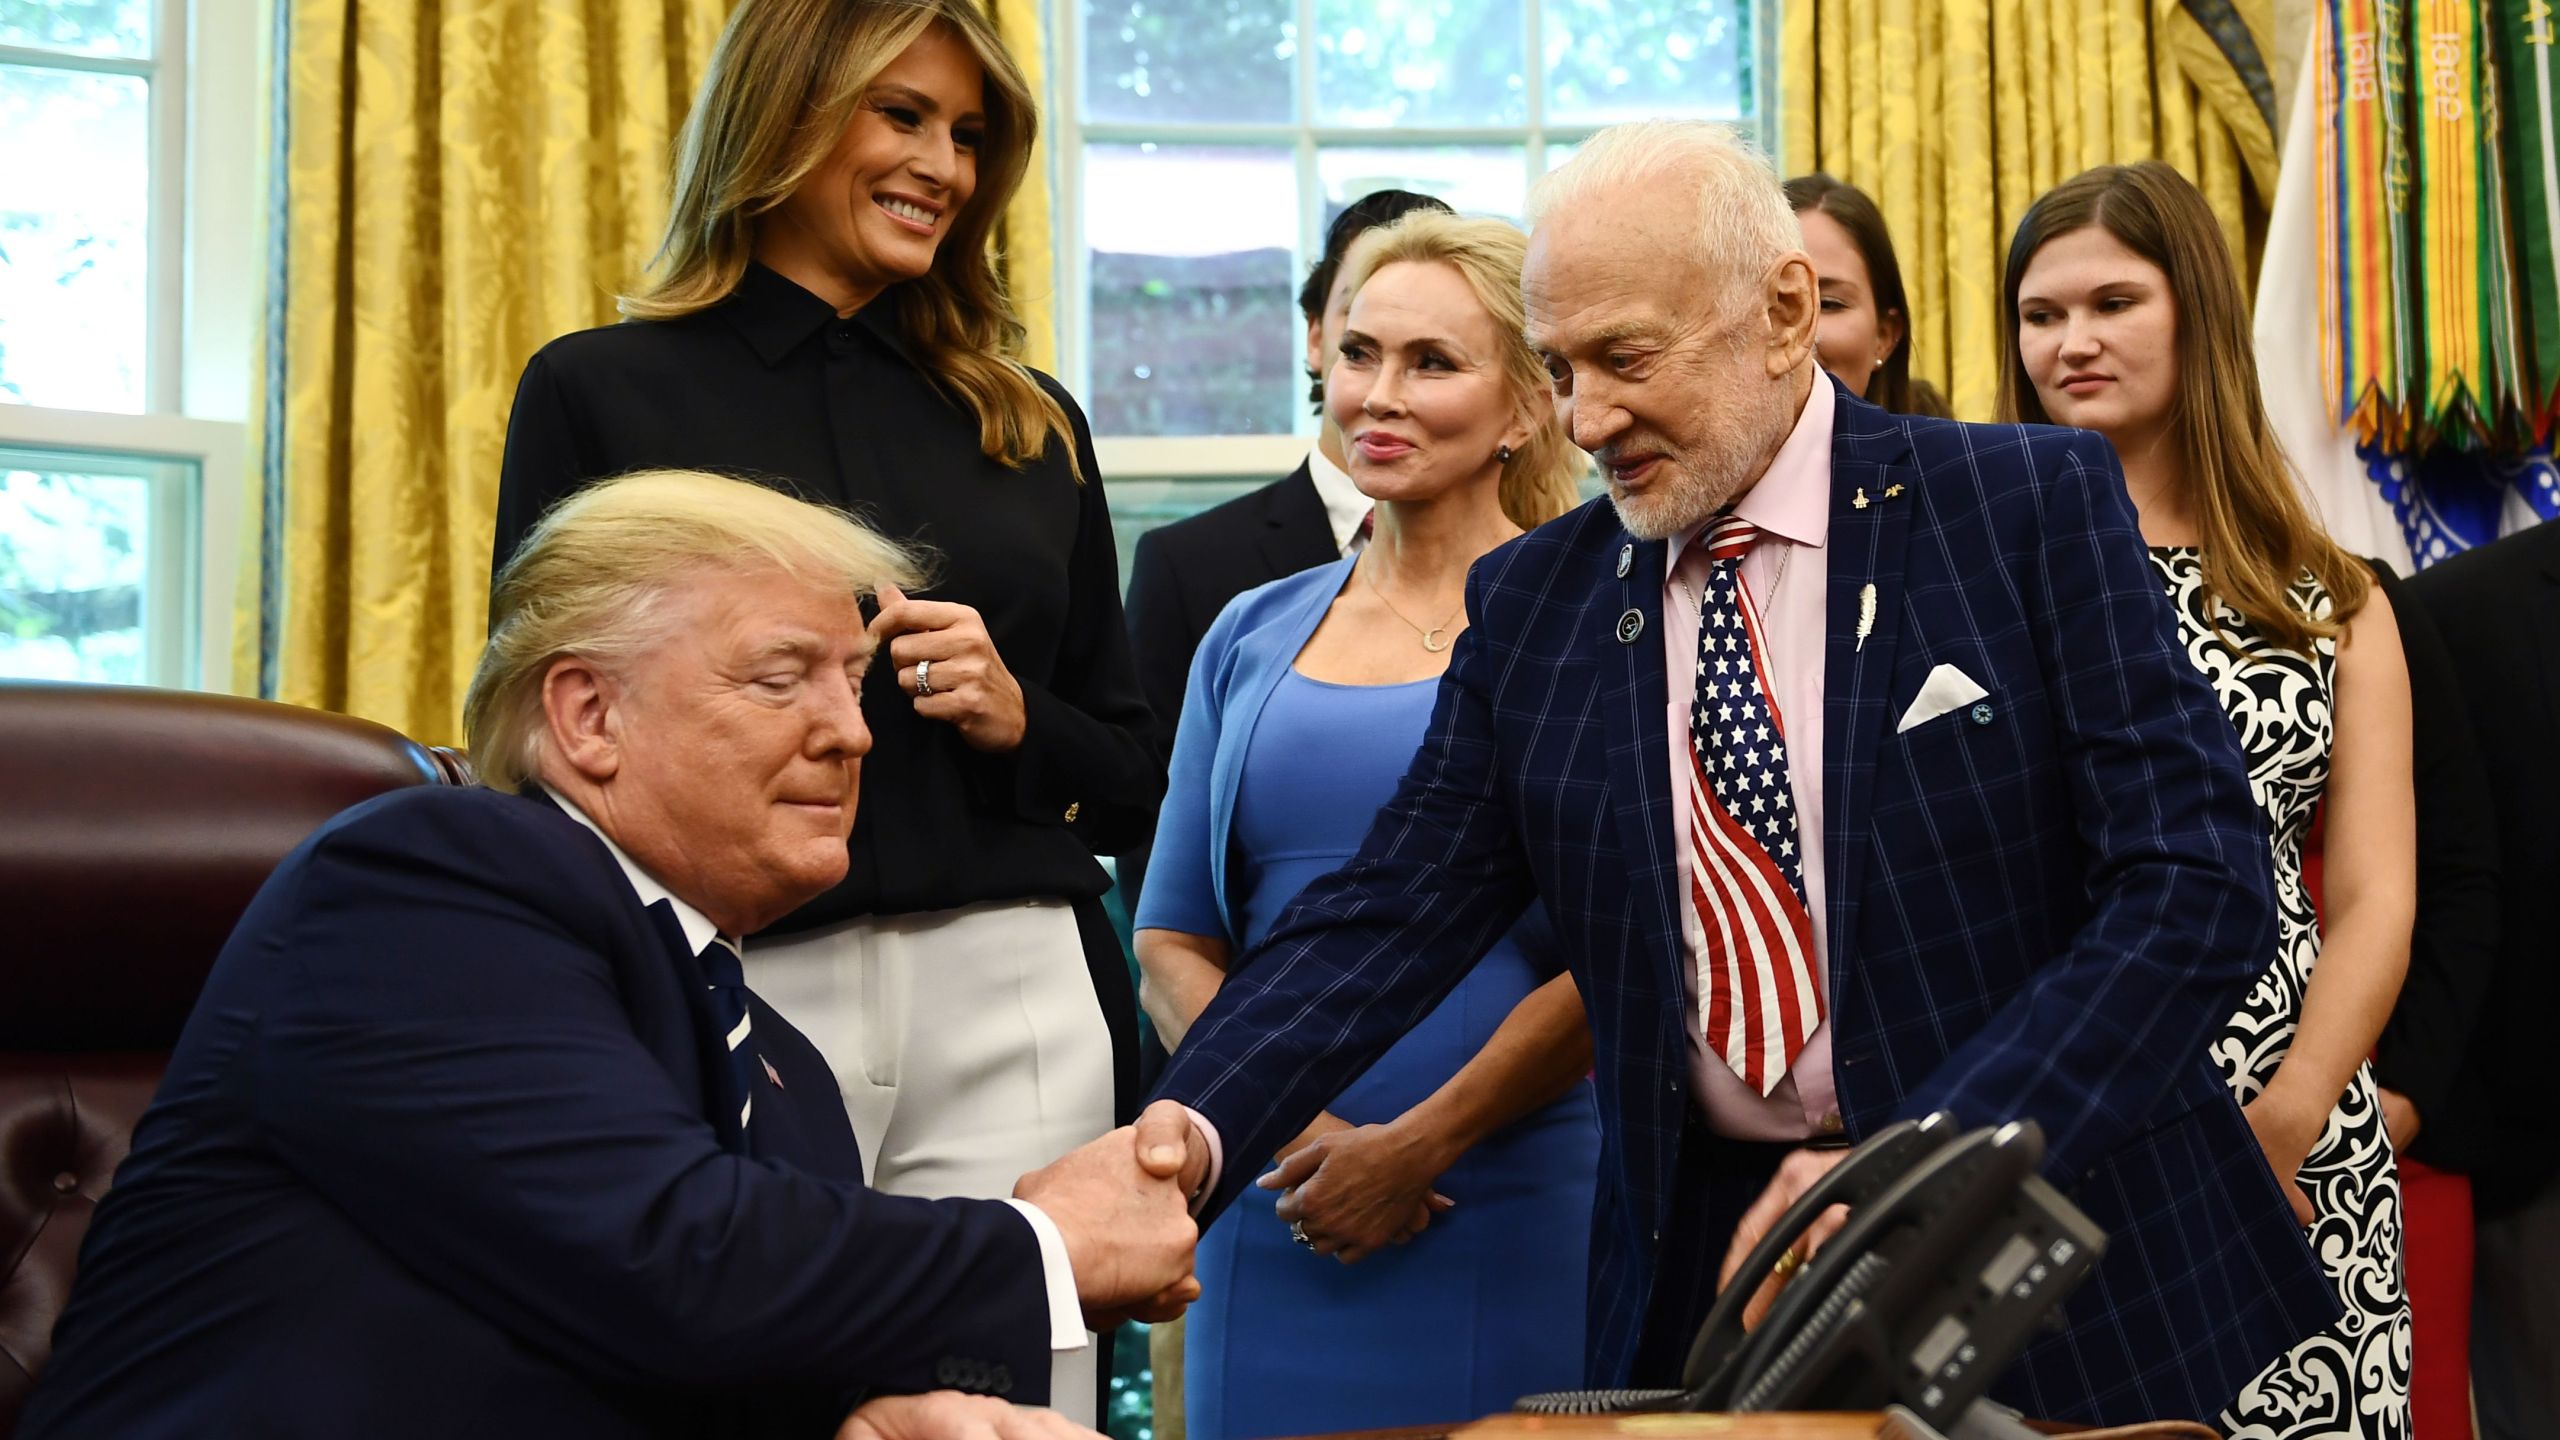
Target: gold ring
1787 1266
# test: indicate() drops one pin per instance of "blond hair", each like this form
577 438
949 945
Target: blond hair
2258 535
1542 479
599 575
1744 224
783 83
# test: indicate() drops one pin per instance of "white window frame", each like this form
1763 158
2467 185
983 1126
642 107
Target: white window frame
1210 456
200 317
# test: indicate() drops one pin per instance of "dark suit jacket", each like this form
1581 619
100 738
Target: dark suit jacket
2425 1050
2498 609
1184 573
2040 907
449 1147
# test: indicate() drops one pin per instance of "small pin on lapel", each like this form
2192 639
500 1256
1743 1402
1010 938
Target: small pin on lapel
1866 615
1630 626
1891 491
1861 501
1626 560
770 1073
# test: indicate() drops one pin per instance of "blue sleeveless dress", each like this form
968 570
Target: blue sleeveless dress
1487 1304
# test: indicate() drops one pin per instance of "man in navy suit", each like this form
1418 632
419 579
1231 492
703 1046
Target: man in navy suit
1852 757
476 1128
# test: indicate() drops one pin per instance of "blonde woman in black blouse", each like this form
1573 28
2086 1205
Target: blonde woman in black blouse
824 315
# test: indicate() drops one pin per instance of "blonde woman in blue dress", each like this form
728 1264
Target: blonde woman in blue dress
1419 1254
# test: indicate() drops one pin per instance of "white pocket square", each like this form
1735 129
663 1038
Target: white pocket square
1946 688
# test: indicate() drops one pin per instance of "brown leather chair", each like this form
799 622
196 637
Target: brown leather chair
135 825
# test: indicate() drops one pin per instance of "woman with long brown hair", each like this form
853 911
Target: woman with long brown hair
2125 316
1864 337
825 315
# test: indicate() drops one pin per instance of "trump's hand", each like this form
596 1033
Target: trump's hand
1796 1174
966 683
950 1415
1127 1227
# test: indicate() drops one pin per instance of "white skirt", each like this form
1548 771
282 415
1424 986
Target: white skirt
969 1047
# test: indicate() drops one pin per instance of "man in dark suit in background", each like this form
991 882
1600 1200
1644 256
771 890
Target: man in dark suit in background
2498 608
476 1128
1185 573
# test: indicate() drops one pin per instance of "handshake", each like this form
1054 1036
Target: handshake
1123 1205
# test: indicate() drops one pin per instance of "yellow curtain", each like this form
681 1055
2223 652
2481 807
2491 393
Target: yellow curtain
1956 114
453 183
1026 242
459 181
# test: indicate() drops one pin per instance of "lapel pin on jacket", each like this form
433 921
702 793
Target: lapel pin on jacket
1890 491
1866 614
1626 560
1859 503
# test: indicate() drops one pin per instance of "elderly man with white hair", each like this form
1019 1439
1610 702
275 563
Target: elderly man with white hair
477 1129
1854 761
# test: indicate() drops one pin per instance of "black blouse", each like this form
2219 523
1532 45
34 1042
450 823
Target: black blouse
772 386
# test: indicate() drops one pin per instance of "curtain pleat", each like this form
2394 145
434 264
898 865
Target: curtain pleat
1956 114
1027 242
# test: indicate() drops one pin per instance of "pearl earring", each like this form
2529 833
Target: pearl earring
1503 454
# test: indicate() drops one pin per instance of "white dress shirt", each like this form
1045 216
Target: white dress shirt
1066 1313
1344 506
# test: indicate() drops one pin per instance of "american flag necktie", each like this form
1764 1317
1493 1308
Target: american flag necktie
1757 993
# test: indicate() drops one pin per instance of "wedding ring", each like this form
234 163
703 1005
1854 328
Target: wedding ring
1298 1232
1786 1268
924 680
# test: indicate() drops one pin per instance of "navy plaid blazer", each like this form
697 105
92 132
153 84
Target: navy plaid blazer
2040 910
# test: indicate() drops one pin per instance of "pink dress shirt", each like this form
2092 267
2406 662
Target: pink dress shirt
1787 574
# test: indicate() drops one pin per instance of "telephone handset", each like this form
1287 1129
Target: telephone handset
1953 1253
1885 1158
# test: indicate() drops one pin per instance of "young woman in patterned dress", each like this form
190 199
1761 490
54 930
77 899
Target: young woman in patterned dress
2125 316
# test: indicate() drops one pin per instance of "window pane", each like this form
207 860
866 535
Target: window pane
73 261
1190 60
74 561
1138 506
1194 313
1420 62
90 27
1610 60
1474 180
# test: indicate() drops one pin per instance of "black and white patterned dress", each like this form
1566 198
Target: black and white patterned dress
2351 1379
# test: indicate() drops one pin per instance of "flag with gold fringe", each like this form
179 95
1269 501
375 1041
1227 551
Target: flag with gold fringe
2366 348
2467 388
2428 263
2525 36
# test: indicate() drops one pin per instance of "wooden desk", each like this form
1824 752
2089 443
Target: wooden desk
1861 1426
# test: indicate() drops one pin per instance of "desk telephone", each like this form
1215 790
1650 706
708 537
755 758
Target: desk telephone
1953 1254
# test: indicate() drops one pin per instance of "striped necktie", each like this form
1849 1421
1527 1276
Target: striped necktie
1757 994
720 962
